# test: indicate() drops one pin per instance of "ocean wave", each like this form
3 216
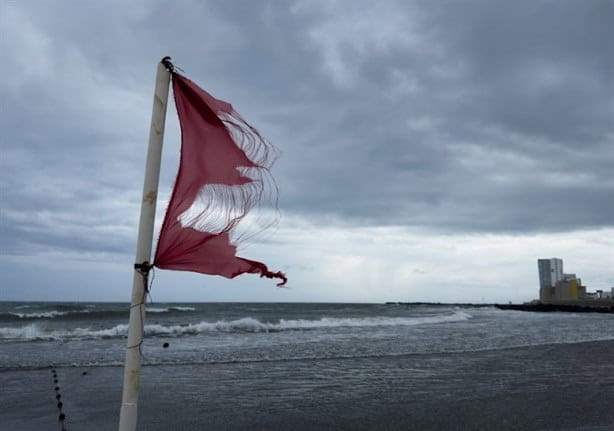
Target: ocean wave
284 357
169 309
177 308
90 312
244 325
30 332
39 315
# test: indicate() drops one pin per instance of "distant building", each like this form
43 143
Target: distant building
550 271
558 287
567 290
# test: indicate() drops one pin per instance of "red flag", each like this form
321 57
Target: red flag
223 174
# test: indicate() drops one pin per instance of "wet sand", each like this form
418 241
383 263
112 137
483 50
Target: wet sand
554 387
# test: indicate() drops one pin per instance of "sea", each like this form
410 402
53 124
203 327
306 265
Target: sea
308 366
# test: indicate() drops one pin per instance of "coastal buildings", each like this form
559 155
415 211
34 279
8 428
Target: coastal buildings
559 291
550 271
557 287
550 276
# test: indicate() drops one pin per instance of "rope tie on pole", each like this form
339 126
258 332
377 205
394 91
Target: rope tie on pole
143 268
166 61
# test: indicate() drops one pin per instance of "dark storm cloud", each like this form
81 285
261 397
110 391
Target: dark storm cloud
506 124
456 116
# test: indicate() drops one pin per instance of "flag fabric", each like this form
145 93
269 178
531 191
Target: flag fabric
224 173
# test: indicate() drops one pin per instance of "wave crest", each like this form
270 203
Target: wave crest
81 313
40 315
169 309
244 325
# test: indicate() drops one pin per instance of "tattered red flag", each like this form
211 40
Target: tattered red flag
223 174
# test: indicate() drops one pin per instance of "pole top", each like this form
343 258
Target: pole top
166 61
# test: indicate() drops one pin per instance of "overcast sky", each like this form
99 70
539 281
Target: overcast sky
430 150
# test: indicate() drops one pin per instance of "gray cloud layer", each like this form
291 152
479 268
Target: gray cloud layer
484 116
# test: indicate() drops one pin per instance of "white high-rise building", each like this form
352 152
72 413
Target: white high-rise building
550 271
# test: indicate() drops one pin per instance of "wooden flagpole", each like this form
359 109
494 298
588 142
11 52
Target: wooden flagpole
132 369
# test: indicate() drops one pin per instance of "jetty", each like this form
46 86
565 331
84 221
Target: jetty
569 308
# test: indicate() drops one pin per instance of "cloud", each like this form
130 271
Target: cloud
474 118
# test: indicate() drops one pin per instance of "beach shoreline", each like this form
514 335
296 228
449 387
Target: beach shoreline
273 395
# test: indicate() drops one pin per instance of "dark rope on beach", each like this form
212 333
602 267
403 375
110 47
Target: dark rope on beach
58 397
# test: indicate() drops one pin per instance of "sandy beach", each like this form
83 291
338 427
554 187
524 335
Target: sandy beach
506 389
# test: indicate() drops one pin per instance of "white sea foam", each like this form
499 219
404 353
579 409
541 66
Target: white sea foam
49 314
29 332
183 308
169 309
54 313
246 324
157 310
114 332
40 315
34 332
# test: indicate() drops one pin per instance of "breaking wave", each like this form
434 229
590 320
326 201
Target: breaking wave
40 315
53 314
169 309
245 325
89 313
183 308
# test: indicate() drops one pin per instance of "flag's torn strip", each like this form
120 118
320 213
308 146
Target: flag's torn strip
224 175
